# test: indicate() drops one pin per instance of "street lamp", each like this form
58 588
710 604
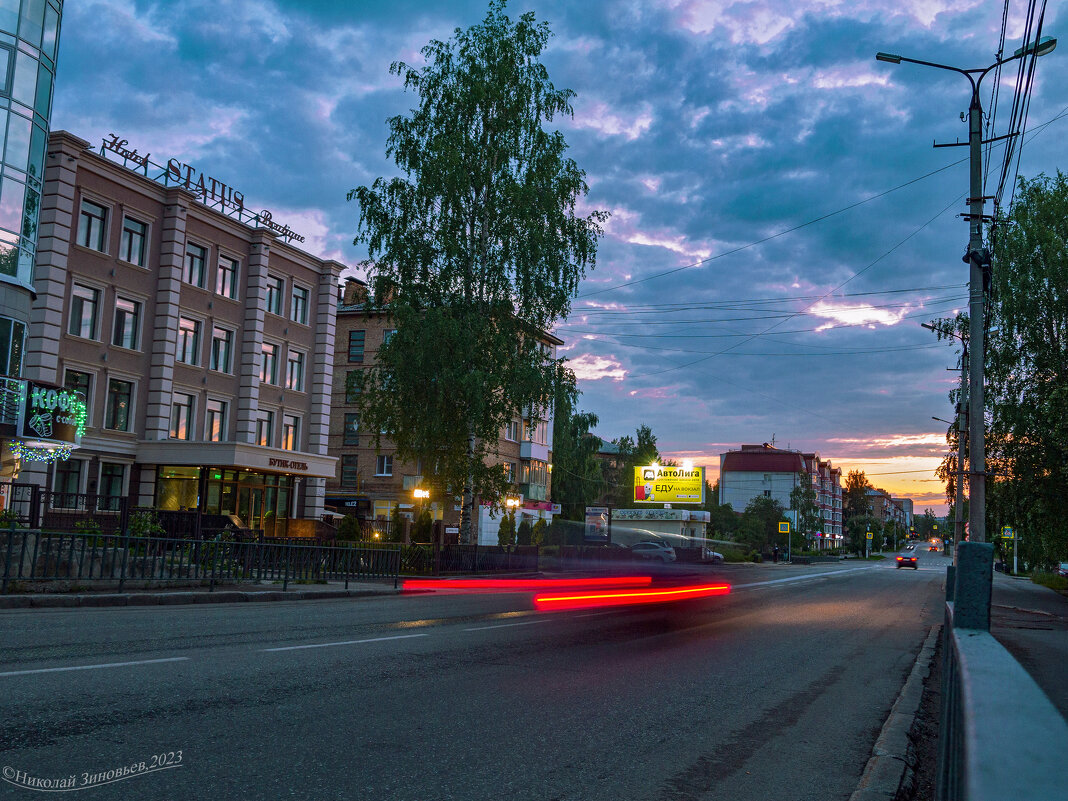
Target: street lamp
978 259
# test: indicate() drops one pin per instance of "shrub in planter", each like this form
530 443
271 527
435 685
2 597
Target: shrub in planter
523 533
422 527
537 533
348 529
506 532
145 524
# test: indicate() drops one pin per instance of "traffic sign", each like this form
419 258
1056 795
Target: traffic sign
1008 533
869 535
784 528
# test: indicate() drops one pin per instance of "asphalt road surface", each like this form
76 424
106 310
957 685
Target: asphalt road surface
777 691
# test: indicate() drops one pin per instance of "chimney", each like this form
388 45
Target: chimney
355 292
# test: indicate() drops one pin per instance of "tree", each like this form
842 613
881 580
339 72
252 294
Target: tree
524 532
537 533
760 522
855 500
857 529
803 500
577 475
636 452
925 525
473 251
1026 379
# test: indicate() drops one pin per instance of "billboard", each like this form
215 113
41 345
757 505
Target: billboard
669 484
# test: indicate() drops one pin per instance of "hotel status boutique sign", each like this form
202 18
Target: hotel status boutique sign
667 484
211 191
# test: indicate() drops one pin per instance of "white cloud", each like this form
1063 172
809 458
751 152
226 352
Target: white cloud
588 367
605 120
857 314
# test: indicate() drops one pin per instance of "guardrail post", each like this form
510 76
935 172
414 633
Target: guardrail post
971 593
285 575
125 552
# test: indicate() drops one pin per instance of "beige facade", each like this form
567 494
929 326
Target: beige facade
370 483
203 344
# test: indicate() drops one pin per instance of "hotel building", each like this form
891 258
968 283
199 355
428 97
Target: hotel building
201 337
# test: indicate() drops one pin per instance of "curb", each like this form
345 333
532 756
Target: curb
187 598
891 771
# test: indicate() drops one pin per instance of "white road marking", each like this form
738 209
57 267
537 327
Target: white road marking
343 642
799 578
95 667
506 625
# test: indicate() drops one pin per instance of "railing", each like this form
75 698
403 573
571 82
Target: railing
33 556
1001 736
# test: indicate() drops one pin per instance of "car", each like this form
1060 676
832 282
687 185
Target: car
908 560
708 555
653 550
933 548
1062 569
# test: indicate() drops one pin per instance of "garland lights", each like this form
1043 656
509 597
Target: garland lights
27 453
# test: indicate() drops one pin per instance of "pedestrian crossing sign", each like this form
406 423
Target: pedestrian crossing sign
784 528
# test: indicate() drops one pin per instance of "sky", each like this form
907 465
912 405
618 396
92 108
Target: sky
780 222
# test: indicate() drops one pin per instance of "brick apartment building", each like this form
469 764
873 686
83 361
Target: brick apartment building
371 483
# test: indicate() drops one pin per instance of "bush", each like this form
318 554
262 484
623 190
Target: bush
423 527
523 533
506 532
145 524
734 555
8 519
88 526
349 529
754 556
537 534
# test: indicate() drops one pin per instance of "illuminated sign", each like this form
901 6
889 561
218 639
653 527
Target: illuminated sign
287 464
211 191
667 484
52 414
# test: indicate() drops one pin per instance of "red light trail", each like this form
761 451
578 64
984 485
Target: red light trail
554 601
523 585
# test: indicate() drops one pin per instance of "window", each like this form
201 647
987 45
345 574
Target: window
269 368
351 433
126 333
119 405
387 335
222 344
132 248
84 306
533 472
82 383
509 472
299 305
356 346
226 278
92 226
12 341
68 478
196 258
181 416
352 387
188 341
290 432
295 371
383 465
275 288
767 493
350 476
265 429
215 429
511 431
112 477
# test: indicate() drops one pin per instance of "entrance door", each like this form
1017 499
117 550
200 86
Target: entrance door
250 506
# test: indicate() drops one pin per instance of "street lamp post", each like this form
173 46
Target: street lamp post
978 258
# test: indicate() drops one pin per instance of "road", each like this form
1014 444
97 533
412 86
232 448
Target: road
777 691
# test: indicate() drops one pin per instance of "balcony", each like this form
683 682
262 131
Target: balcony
534 492
532 450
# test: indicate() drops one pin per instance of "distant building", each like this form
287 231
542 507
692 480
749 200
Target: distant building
756 470
888 510
371 483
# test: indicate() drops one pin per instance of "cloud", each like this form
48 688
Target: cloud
588 367
599 117
855 314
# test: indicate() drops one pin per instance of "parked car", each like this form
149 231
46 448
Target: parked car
708 555
1062 569
908 560
653 550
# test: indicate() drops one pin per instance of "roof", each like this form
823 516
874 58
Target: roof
765 460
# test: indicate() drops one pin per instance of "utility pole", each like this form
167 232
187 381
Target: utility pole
962 405
977 258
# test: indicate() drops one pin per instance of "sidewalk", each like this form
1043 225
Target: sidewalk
1031 621
222 594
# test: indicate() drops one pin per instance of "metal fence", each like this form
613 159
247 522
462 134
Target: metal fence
1001 737
34 556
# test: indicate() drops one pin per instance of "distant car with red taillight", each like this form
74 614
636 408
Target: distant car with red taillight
908 560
